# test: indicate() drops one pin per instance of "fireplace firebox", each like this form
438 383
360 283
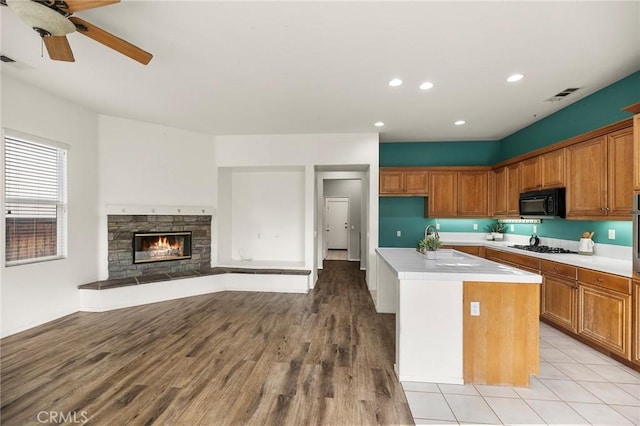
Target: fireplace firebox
161 246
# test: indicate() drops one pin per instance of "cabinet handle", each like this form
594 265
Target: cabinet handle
599 280
575 287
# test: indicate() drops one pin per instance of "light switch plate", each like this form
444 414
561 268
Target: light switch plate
612 234
398 234
475 309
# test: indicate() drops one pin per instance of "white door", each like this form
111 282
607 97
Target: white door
337 223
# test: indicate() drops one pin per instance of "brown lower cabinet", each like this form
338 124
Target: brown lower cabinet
598 308
635 353
604 317
558 302
473 250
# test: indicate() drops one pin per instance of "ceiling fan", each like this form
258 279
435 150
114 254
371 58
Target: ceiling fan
53 21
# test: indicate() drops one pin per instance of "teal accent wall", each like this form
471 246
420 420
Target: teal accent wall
416 154
597 110
406 214
573 229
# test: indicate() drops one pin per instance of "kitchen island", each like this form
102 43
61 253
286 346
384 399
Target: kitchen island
459 318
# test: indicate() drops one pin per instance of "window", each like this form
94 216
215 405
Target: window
35 175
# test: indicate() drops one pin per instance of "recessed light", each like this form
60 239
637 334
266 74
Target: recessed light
395 82
378 124
459 122
426 85
515 77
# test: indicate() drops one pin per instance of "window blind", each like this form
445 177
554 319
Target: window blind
35 201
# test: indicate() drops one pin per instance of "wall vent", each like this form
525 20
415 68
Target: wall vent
563 94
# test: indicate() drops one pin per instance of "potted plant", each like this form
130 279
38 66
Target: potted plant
429 246
496 230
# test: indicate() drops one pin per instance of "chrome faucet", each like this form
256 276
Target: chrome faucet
431 228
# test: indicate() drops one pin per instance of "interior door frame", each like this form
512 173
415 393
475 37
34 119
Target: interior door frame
325 240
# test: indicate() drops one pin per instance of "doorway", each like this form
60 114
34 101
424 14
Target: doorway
336 220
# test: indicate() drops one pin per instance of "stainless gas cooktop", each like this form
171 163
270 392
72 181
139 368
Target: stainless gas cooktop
543 249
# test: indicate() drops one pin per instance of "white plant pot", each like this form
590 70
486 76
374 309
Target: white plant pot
431 254
497 236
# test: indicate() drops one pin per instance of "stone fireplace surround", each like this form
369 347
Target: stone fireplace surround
121 228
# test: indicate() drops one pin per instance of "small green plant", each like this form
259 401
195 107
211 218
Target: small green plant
429 244
495 227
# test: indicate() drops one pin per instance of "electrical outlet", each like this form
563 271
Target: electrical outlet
438 226
475 226
475 309
535 229
398 234
512 228
612 234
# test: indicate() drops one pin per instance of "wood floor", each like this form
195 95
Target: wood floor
227 358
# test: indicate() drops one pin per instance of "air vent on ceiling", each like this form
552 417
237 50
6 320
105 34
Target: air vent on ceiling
561 95
6 59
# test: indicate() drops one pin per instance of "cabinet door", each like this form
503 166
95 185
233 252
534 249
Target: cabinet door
587 178
443 194
636 152
513 190
604 317
416 182
530 179
558 302
473 200
620 173
500 191
636 323
552 169
391 182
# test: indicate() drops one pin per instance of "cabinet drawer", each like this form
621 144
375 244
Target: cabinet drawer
492 254
602 279
519 259
560 269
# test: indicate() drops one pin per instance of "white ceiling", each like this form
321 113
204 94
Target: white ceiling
322 67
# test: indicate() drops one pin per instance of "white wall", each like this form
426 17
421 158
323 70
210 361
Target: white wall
36 293
267 220
144 164
308 151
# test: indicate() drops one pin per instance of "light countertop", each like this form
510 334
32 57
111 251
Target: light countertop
451 265
597 263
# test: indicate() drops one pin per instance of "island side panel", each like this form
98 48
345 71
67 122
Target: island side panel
429 331
386 295
501 344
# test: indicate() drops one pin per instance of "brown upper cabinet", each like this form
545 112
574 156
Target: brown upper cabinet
458 194
543 171
506 190
599 177
530 177
500 191
399 181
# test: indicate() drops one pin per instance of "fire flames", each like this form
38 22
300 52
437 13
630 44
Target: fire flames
162 247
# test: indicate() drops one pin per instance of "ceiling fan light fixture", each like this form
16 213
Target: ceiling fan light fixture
41 18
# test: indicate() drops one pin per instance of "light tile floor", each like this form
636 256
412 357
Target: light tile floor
577 385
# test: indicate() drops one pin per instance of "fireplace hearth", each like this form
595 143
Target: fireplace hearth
161 246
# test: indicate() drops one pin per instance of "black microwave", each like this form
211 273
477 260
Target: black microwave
544 204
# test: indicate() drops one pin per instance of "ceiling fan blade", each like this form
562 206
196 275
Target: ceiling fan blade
109 40
73 6
58 48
